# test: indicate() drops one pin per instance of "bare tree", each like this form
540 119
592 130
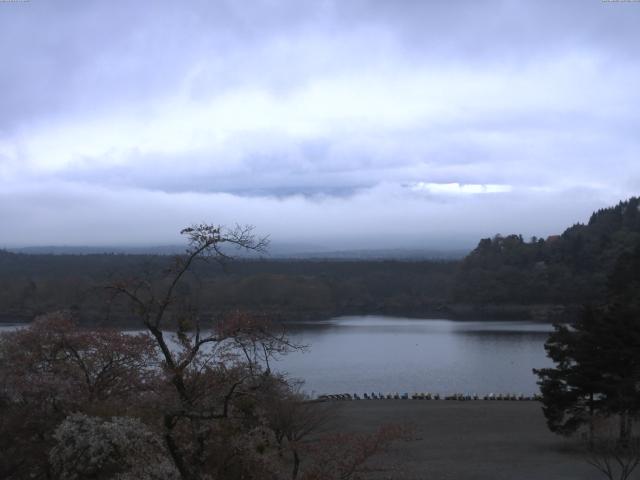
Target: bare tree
345 456
614 459
293 417
210 369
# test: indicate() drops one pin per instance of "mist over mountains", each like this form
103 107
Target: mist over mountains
276 251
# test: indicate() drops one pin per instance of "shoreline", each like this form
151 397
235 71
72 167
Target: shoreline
543 313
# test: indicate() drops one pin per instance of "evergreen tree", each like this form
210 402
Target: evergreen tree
597 359
571 392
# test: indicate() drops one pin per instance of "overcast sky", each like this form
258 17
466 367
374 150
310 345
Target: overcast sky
334 123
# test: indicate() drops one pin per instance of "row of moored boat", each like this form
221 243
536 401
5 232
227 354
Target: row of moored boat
430 396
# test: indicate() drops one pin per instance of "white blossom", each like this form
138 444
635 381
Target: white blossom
121 448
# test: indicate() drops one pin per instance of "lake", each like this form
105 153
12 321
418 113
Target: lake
389 354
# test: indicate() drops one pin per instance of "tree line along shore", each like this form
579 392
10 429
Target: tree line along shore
503 277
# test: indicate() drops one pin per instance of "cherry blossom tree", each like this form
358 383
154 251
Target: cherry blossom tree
52 369
121 447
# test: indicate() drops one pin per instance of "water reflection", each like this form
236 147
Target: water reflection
372 353
387 354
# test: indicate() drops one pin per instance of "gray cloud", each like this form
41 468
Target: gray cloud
314 117
384 216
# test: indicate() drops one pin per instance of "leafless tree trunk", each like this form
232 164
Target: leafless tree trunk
615 460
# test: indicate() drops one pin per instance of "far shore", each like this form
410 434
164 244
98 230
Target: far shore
458 311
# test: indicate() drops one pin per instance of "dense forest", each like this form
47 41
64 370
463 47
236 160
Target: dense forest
32 284
502 276
571 268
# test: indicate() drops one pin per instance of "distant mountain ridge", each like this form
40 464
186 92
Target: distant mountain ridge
98 250
281 253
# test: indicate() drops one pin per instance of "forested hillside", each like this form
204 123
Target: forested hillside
569 268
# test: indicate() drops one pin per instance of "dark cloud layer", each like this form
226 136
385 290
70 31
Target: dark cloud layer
345 116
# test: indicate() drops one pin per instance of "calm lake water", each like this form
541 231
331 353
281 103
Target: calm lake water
388 354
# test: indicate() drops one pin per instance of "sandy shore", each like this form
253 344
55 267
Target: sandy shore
474 440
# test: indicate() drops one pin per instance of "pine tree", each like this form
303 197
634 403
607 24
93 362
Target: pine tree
597 359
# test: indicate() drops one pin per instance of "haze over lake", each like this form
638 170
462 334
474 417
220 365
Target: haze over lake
385 354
